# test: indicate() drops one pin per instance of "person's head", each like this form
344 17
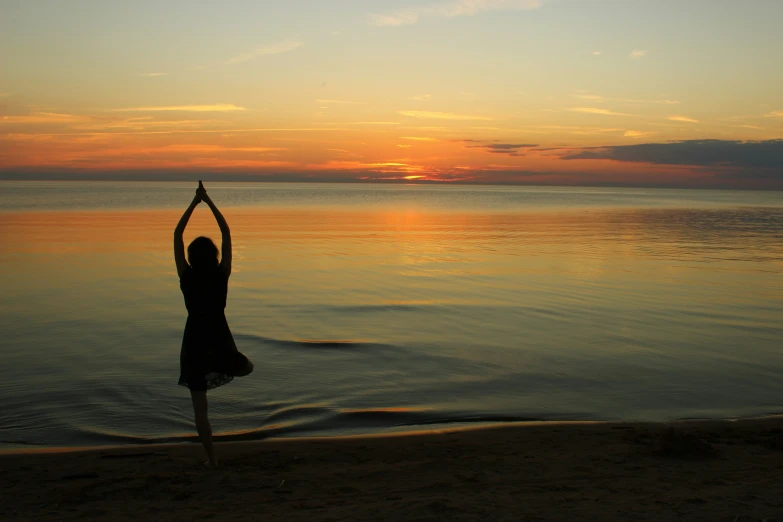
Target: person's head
202 253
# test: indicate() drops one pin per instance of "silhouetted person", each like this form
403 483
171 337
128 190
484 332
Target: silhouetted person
209 356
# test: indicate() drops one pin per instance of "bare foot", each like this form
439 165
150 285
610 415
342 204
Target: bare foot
209 464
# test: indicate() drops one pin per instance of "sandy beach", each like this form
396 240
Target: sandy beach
706 470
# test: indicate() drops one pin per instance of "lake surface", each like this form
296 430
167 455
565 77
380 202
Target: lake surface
376 308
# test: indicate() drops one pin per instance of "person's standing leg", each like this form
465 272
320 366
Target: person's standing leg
203 427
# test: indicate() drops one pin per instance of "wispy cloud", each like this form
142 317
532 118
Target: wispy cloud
662 102
342 102
442 115
212 148
637 134
426 128
682 119
27 137
282 46
448 9
576 129
224 132
638 53
387 164
220 107
417 138
422 97
4 94
364 123
150 75
775 114
346 153
597 98
593 97
45 117
384 166
597 53
143 123
595 110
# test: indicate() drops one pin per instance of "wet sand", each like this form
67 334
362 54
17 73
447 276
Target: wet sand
710 470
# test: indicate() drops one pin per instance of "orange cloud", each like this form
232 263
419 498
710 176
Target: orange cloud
388 166
220 107
27 137
442 115
214 148
45 117
595 110
342 102
364 123
143 123
683 119
637 134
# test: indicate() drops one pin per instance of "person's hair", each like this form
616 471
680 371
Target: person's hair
202 253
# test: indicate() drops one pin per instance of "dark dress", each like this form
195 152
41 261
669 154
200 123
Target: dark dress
209 357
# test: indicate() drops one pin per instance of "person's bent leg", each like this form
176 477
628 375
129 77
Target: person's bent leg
202 425
246 370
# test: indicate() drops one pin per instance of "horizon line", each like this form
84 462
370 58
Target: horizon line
402 182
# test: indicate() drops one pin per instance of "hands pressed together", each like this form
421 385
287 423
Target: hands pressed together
201 194
179 246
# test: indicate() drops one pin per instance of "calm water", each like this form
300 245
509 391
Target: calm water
371 308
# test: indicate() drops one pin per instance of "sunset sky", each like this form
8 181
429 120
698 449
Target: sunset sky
628 92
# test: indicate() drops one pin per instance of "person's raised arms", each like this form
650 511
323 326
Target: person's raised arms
226 253
179 244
